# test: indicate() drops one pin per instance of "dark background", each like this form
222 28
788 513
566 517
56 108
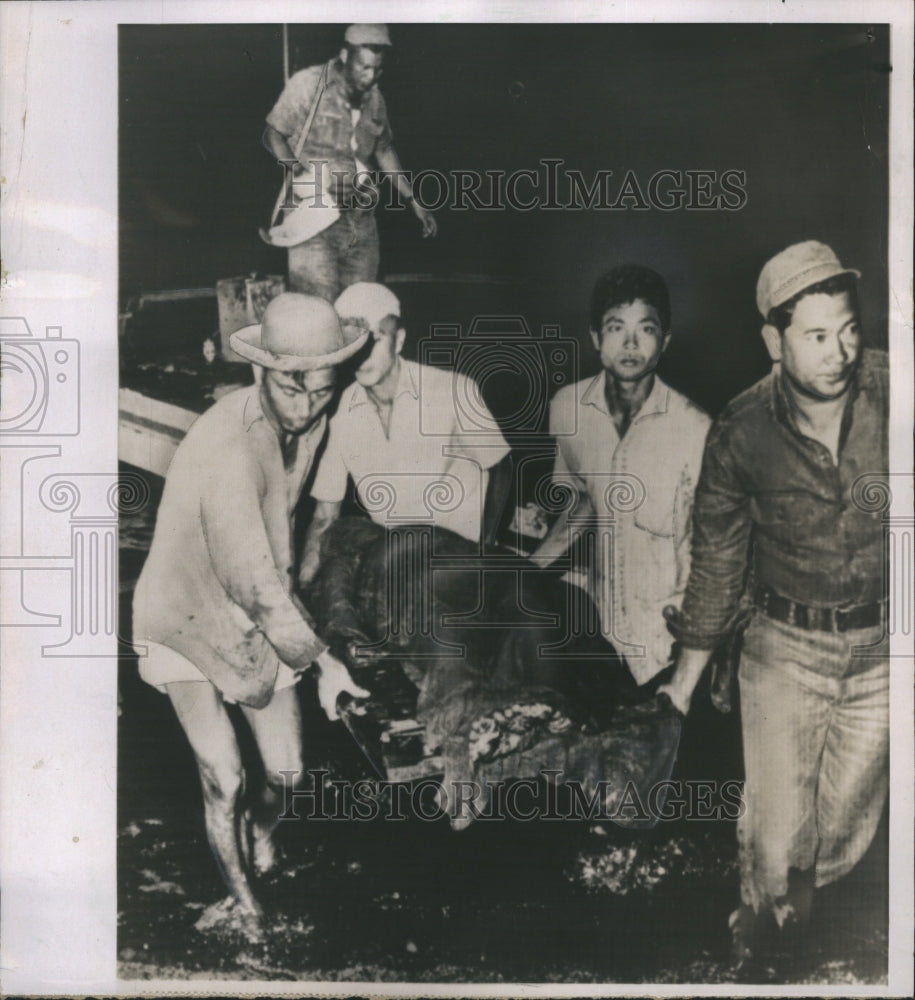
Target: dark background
801 109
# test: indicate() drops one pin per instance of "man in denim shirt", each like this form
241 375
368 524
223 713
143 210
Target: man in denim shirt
350 132
785 478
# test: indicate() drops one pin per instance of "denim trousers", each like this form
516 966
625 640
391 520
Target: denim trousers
815 718
339 256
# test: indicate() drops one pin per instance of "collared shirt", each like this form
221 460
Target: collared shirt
341 133
430 467
640 487
815 537
217 582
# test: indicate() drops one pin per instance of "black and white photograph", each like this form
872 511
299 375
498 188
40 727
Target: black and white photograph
506 572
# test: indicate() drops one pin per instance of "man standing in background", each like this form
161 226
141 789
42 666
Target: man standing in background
349 131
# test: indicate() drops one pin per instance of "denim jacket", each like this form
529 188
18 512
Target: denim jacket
772 501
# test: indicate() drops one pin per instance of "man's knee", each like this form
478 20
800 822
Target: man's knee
223 783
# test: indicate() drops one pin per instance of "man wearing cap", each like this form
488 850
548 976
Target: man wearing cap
348 130
215 620
400 434
781 508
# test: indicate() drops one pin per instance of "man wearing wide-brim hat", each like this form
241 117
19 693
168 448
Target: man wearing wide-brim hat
789 499
334 115
215 619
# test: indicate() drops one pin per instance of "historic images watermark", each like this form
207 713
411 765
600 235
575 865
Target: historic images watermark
314 795
551 186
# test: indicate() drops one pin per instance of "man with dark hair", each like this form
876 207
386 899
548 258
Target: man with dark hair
349 132
624 429
215 618
779 512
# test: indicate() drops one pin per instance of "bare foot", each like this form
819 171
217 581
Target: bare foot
228 916
265 855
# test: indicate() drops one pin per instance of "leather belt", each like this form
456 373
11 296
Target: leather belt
836 619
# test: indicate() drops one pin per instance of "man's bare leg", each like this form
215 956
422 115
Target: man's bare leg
277 729
203 717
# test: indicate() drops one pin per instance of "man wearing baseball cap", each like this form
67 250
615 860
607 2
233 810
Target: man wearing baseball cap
398 435
334 113
781 508
215 618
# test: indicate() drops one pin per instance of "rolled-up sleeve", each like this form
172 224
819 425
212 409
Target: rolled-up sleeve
244 563
483 443
721 526
291 109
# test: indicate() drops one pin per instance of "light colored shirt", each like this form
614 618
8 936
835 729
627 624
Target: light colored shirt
430 467
217 584
643 483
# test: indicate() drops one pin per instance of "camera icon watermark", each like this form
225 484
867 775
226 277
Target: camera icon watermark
499 347
40 381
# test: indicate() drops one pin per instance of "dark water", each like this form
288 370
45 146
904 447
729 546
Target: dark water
412 901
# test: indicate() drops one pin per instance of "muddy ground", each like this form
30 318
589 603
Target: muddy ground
542 901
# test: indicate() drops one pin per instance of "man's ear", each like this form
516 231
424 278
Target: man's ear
399 339
665 341
595 338
773 341
344 55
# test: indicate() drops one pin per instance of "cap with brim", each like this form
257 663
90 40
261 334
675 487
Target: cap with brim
363 305
297 333
798 267
367 34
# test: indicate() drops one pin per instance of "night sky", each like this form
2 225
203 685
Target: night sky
802 110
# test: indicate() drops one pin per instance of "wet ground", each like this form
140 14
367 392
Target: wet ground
413 901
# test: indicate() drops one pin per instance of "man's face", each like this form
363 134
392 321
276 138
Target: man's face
382 357
297 400
630 340
820 349
361 69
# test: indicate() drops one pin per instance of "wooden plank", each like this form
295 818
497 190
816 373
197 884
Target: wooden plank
150 430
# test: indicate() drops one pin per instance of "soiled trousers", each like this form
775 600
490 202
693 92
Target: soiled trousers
339 256
815 716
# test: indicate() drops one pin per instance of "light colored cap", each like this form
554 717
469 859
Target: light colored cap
367 34
297 333
364 305
793 270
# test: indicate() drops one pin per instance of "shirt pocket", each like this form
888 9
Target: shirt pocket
330 132
653 550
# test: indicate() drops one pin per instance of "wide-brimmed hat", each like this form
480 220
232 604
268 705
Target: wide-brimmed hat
297 333
791 271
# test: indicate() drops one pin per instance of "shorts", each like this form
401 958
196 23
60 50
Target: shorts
162 666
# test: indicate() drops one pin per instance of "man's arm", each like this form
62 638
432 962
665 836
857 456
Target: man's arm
278 144
324 516
389 162
721 526
242 560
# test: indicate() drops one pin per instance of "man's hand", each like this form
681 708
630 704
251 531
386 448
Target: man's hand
430 226
333 680
311 562
690 664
